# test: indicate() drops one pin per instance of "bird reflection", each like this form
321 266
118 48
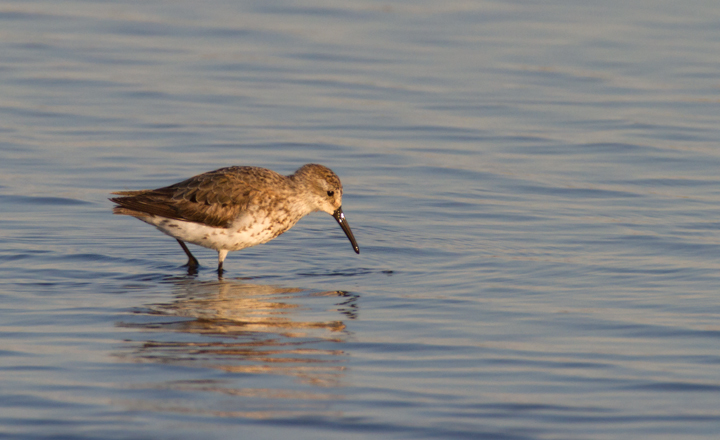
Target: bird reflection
236 327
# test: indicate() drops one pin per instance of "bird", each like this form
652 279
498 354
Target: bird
236 207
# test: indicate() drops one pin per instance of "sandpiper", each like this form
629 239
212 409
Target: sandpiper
236 207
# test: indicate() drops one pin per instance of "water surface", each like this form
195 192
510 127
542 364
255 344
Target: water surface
533 187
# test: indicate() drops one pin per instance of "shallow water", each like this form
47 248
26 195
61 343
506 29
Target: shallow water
533 187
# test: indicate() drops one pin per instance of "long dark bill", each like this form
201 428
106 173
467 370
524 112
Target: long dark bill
342 221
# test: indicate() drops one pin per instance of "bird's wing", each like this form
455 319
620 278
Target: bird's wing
215 198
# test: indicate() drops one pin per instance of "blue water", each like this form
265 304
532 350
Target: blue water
533 186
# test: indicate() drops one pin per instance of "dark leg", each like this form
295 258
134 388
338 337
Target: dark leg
192 261
221 257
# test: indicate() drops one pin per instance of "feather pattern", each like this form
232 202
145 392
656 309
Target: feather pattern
215 198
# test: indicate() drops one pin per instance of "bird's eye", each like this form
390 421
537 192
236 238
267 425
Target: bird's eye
331 193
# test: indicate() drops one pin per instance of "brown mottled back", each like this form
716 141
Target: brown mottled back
215 198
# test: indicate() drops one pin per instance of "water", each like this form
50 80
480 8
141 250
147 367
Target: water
533 186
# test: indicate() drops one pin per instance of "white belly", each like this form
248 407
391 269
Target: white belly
240 235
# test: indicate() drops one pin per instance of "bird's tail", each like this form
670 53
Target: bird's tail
131 193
